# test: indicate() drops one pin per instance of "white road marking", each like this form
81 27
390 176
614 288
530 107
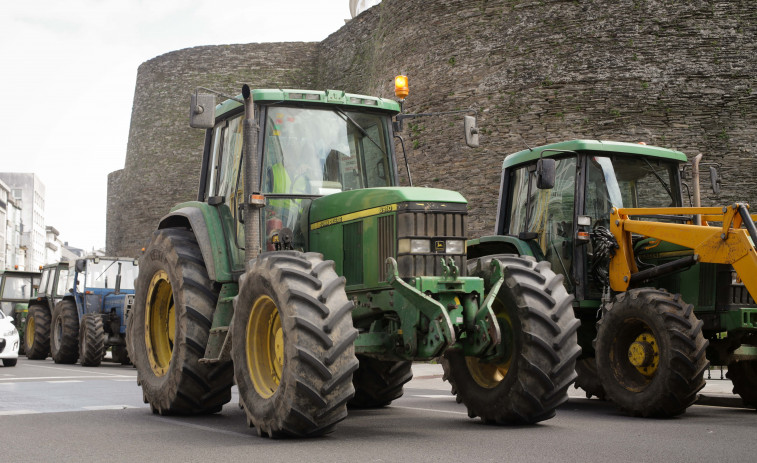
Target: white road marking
71 369
65 381
430 410
17 412
48 378
109 407
434 396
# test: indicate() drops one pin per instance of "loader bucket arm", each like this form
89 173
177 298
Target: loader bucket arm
723 244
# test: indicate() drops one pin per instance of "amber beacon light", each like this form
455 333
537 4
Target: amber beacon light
401 87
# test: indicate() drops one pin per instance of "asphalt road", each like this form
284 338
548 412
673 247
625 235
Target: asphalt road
64 413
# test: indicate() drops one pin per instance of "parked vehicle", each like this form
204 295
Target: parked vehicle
16 288
9 341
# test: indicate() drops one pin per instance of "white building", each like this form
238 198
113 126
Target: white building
28 191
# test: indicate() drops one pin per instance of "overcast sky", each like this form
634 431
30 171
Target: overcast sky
68 70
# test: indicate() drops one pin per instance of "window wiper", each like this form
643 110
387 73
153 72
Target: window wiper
362 131
106 269
654 172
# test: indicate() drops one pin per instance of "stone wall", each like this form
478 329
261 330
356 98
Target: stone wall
676 74
163 155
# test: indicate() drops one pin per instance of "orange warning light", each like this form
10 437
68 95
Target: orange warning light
401 88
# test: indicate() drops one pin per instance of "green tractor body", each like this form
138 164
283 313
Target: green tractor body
649 341
304 272
16 288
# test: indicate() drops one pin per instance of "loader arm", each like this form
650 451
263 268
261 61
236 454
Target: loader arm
722 244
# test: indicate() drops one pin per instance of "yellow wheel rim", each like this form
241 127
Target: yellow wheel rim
265 346
644 354
29 341
160 323
489 375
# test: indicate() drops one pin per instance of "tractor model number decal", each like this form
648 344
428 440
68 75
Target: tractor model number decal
354 215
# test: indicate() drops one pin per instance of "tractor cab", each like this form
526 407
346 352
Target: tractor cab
590 178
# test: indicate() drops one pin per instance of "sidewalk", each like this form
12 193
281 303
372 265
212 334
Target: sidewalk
717 392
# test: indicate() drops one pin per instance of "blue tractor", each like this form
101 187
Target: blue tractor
91 317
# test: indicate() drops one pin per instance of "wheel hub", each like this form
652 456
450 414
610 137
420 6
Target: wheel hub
644 354
160 323
265 346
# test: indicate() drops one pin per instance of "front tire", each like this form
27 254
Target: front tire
10 362
169 328
743 375
536 318
378 382
64 338
651 353
37 332
588 378
92 340
293 346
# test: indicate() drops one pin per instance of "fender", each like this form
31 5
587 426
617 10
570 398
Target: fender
500 244
205 221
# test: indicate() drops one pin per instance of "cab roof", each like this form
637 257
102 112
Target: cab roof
555 149
319 97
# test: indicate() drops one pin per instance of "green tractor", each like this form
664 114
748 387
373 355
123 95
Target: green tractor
306 275
660 289
16 289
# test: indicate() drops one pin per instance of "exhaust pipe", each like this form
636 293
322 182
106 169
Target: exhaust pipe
253 200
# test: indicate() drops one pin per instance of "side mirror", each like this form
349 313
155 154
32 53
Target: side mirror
545 174
202 107
471 131
715 178
81 265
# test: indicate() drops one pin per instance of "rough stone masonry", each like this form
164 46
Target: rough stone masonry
682 75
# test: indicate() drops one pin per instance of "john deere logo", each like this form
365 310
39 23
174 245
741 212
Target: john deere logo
439 246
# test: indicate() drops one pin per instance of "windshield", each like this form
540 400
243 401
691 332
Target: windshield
17 288
103 274
323 151
625 181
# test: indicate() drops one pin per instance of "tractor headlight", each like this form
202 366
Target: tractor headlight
455 246
413 246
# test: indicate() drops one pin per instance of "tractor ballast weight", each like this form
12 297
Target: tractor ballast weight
304 272
659 297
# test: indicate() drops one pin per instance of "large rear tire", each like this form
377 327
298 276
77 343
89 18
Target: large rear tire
743 375
651 353
536 318
293 346
37 332
169 328
378 382
64 337
92 340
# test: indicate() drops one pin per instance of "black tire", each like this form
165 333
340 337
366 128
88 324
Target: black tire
588 379
743 375
37 332
378 382
293 347
176 298
665 338
18 314
10 362
121 355
64 336
537 320
91 340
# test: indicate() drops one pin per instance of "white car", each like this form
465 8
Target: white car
8 341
